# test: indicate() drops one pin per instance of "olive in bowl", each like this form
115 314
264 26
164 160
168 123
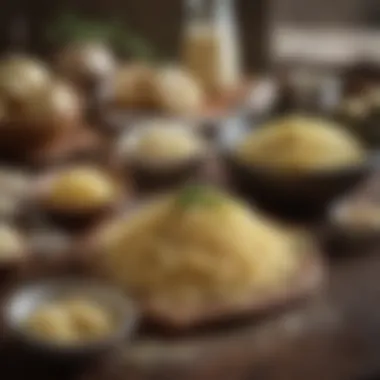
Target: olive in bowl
69 320
161 154
78 196
297 164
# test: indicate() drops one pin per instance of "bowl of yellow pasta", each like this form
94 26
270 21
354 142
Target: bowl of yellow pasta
297 163
161 153
69 318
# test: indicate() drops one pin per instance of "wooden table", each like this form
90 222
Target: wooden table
334 336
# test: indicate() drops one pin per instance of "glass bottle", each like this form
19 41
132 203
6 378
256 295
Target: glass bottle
210 44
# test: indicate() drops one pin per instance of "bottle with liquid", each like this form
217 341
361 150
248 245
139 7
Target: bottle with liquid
210 45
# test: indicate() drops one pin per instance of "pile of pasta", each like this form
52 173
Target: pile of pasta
195 248
301 144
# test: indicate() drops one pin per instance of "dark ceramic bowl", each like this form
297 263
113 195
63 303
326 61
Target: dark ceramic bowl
297 195
150 175
24 301
70 219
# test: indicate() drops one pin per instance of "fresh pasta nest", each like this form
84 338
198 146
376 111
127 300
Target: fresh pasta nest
301 144
196 248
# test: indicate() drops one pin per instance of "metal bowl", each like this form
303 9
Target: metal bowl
27 299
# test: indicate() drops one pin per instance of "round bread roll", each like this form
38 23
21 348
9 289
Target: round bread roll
177 92
86 61
53 108
21 77
133 86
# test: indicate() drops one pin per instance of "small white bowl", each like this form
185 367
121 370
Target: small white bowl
25 301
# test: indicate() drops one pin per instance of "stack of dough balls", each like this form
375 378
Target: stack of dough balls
196 248
170 90
301 144
34 105
69 321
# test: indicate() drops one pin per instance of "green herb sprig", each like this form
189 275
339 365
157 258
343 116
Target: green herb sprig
72 28
199 195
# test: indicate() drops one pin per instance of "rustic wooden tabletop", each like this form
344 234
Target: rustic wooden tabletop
335 335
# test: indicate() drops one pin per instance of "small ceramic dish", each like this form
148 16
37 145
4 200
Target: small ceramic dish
360 113
144 154
77 216
23 303
307 194
353 225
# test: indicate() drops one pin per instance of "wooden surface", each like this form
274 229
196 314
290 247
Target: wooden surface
335 335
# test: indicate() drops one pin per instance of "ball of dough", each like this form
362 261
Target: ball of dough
21 77
177 92
57 105
81 188
86 61
133 87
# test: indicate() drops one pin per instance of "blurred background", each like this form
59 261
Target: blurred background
273 31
